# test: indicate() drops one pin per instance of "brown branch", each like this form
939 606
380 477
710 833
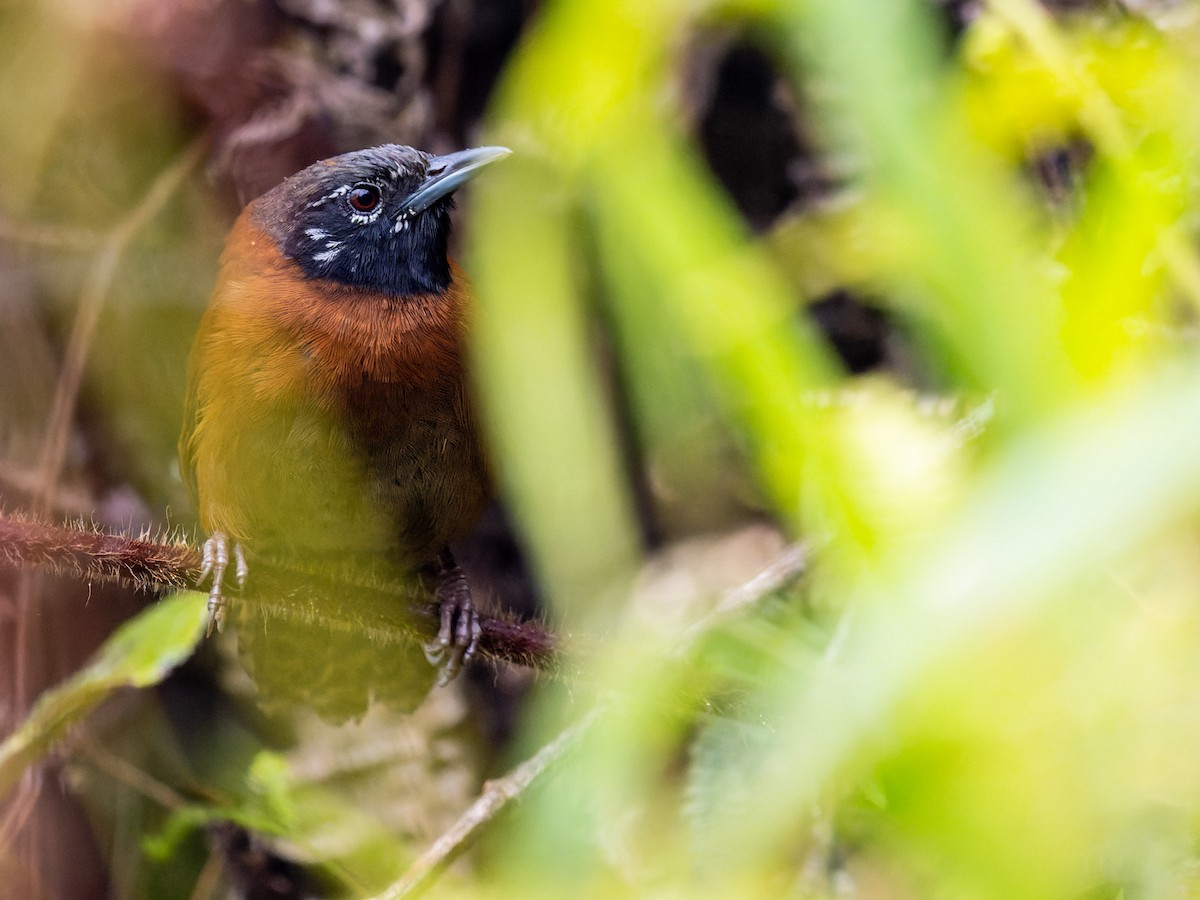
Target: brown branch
371 612
142 563
342 601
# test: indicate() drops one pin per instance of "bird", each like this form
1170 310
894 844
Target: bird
328 414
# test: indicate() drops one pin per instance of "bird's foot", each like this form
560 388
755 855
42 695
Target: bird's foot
459 629
214 561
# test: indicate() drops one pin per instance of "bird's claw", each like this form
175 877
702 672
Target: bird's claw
214 561
459 629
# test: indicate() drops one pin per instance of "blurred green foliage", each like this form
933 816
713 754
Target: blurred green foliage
986 684
140 654
1001 704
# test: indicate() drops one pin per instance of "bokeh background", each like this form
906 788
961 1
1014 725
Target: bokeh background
840 365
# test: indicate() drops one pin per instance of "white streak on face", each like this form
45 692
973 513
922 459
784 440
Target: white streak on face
328 255
332 195
316 234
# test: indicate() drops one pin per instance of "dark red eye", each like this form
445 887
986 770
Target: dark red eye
364 197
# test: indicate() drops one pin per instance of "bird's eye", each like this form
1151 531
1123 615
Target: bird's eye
365 198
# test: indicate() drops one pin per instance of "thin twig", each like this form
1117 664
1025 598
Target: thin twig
496 795
54 237
21 805
23 481
83 331
784 569
91 302
209 878
124 772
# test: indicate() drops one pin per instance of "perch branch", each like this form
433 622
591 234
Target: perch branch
341 601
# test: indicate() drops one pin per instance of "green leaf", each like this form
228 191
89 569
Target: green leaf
139 654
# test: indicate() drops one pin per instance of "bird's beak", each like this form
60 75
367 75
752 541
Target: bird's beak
447 173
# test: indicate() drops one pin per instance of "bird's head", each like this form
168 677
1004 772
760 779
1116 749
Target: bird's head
376 218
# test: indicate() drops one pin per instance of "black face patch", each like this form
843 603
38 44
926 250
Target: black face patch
345 219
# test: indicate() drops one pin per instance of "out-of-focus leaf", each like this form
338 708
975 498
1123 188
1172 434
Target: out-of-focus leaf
973 267
141 653
546 401
1011 102
1089 488
308 822
1121 89
607 169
